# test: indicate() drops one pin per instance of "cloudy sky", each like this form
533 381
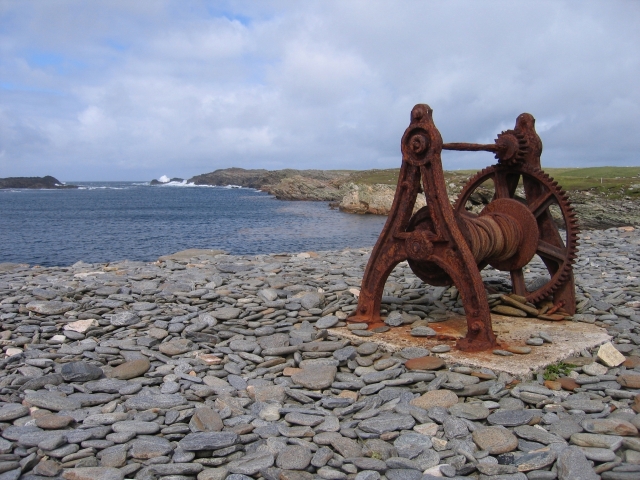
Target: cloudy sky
122 90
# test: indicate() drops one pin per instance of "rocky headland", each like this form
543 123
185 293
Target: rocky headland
209 366
347 191
47 182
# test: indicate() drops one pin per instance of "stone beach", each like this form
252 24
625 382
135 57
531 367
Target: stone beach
214 367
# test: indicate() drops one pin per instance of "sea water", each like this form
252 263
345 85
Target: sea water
109 221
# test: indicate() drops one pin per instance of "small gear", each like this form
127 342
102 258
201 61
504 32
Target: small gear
512 147
542 192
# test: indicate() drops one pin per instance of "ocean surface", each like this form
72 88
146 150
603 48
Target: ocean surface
109 221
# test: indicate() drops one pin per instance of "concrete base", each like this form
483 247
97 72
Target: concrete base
568 337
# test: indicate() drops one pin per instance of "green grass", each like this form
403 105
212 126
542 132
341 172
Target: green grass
375 176
552 372
613 182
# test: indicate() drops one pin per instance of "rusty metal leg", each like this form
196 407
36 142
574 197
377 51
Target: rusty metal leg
378 270
480 334
389 249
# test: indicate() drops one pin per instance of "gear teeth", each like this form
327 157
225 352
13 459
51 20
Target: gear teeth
564 271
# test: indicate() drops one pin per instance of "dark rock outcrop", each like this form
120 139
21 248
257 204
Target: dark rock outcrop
33 182
158 182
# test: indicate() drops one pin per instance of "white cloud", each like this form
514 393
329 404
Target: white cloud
120 90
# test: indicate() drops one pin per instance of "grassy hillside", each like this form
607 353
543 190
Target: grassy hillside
611 181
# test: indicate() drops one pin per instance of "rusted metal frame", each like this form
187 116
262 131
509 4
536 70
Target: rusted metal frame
442 249
444 245
454 257
470 147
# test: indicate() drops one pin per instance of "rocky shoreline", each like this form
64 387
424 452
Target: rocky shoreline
228 367
346 192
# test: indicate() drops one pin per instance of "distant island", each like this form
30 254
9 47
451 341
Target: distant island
603 197
47 182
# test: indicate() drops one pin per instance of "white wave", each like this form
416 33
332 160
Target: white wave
178 184
164 179
184 183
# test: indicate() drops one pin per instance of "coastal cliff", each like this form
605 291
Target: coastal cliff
48 182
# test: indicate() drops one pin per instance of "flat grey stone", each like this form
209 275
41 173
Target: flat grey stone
495 440
294 457
346 447
315 377
124 319
168 469
537 435
114 456
53 402
105 385
596 440
387 423
145 402
303 419
412 440
205 419
226 313
510 418
143 306
455 427
312 300
572 464
147 447
470 411
12 411
251 464
208 441
327 322
80 372
598 454
367 475
536 460
403 474
588 406
413 352
50 308
141 428
423 332
365 463
93 473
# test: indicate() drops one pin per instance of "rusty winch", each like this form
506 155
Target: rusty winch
447 244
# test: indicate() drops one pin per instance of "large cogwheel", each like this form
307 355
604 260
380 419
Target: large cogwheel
542 195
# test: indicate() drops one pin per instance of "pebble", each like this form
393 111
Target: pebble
228 367
132 369
424 363
435 398
520 350
495 440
